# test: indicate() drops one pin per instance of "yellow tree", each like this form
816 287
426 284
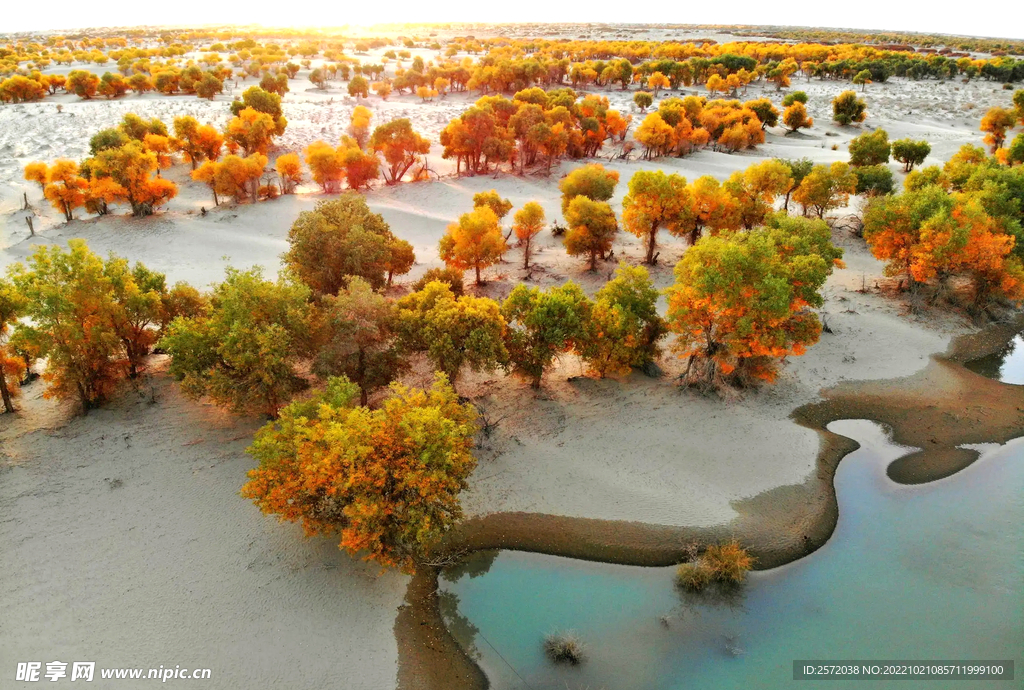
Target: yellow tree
826 188
36 172
756 188
251 131
326 165
795 117
474 242
713 208
656 201
658 81
527 223
289 170
359 126
131 166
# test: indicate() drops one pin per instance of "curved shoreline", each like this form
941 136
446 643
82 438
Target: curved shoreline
937 409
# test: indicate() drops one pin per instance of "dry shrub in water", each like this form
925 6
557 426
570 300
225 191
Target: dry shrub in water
725 563
564 647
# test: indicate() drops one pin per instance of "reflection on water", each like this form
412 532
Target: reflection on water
1006 365
932 571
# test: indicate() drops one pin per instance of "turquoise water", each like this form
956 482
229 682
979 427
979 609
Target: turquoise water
1006 365
933 571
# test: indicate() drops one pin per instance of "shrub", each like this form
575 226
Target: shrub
452 277
795 97
847 108
728 562
693 576
564 647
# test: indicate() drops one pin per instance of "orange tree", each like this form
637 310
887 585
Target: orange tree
12 307
473 242
131 166
388 480
400 146
742 301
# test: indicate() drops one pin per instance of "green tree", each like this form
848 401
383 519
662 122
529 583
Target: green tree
624 326
794 97
12 307
870 148
388 480
592 227
342 238
542 326
70 302
643 100
847 108
244 353
358 338
744 300
910 152
454 332
873 180
358 86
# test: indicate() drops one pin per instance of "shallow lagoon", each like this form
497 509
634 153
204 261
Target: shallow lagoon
933 571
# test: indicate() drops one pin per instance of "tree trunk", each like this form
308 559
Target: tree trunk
650 244
526 254
478 281
5 393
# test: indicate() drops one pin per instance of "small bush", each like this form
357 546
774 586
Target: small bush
453 277
693 576
564 647
729 562
724 563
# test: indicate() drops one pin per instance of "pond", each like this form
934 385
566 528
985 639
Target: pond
927 572
1006 364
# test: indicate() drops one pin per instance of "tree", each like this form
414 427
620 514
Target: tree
756 188
795 117
863 78
289 171
454 332
474 242
656 200
245 351
65 188
527 224
655 135
136 128
327 166
209 86
37 172
593 181
794 97
131 166
713 207
69 301
81 83
13 306
873 180
1015 153
381 88
798 170
340 238
656 81
743 301
766 112
826 188
359 338
265 102
592 227
401 258
847 108
358 86
624 327
251 131
542 326
400 146
112 138
197 142
359 125
392 492
494 201
995 123
139 296
910 152
643 100
452 277
870 148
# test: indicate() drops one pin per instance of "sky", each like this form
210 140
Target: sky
1002 18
